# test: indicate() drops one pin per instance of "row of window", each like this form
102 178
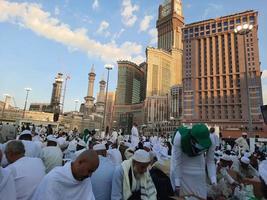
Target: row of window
219 25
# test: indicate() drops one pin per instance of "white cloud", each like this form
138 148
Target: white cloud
144 25
32 17
95 4
103 28
57 11
117 35
154 36
264 74
127 13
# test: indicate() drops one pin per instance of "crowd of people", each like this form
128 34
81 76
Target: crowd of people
193 163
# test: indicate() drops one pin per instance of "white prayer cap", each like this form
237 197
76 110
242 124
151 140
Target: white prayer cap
141 156
147 144
51 138
82 143
26 132
226 157
99 147
244 133
245 160
263 171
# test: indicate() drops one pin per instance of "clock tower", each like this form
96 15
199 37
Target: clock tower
169 24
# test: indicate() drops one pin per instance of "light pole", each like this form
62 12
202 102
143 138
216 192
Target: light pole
243 30
26 100
4 107
76 104
108 67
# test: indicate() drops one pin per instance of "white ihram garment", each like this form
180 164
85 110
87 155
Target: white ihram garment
28 173
134 137
7 185
60 184
52 157
115 156
189 172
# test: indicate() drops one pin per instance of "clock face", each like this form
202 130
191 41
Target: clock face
166 10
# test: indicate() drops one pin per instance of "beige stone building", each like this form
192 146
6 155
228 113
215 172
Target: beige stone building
215 68
164 64
110 109
164 69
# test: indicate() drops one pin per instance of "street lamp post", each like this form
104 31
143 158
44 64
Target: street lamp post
76 104
108 67
244 30
26 100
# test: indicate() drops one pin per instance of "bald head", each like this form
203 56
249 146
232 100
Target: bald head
84 165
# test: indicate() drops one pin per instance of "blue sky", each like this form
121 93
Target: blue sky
40 38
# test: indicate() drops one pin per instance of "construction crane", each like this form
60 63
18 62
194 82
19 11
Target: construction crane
64 92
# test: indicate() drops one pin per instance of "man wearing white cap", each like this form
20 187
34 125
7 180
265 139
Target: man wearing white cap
27 172
102 177
32 149
132 181
7 184
242 142
225 180
114 154
243 168
80 147
52 155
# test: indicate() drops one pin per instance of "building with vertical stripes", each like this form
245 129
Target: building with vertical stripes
214 72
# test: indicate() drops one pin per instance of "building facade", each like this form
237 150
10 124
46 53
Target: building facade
131 83
214 75
130 95
176 102
109 109
40 107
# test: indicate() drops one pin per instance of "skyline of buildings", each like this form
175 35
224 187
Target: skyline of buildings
207 60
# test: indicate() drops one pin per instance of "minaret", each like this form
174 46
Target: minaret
101 96
56 93
89 99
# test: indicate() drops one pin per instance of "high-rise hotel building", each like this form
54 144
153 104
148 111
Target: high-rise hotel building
214 67
130 95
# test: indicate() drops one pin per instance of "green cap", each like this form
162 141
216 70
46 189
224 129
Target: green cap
201 133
